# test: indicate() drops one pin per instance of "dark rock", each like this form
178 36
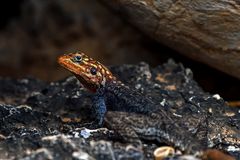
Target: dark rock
47 120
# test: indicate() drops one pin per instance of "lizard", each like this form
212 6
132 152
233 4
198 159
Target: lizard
109 91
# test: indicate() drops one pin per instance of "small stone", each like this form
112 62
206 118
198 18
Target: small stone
216 96
163 152
85 133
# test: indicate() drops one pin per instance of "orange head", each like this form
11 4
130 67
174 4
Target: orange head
89 72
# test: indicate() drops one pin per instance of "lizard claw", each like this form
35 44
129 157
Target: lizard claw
96 123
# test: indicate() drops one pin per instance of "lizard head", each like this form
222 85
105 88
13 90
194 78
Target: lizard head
88 71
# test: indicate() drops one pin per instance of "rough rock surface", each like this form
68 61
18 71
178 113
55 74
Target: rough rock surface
205 31
41 120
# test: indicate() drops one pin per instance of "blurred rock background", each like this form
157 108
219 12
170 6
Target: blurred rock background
34 32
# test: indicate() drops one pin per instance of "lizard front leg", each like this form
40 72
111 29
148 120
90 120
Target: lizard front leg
100 108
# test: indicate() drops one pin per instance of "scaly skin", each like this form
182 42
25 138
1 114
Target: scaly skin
98 79
154 120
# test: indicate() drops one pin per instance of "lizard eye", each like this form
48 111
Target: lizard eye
93 71
77 59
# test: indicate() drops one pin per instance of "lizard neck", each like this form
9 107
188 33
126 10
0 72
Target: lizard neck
110 86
